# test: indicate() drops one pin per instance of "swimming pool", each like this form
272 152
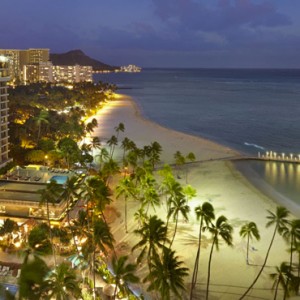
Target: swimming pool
59 179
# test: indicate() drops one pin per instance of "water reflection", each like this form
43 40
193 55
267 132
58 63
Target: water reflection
283 177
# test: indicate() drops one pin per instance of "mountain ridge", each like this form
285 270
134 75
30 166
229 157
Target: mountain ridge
78 57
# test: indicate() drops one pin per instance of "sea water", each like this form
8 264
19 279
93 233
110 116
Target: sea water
250 110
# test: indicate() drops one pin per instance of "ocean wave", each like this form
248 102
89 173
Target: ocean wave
254 145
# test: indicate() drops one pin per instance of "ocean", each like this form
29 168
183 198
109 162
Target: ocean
250 110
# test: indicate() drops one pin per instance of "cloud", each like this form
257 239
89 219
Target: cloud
225 14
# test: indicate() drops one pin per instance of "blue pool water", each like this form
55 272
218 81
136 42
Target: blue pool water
59 179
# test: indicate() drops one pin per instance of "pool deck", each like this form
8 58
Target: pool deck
24 183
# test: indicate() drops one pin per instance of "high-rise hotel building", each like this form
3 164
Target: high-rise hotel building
19 58
4 78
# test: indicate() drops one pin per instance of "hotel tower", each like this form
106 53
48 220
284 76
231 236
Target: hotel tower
4 78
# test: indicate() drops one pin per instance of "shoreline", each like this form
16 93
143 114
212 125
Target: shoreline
216 181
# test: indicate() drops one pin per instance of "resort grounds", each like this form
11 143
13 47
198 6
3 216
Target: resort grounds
216 181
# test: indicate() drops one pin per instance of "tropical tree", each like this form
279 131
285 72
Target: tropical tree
50 195
153 234
190 157
167 275
205 214
249 231
179 160
61 283
155 150
112 143
42 118
126 189
281 278
279 219
31 279
292 234
148 190
119 128
123 271
178 206
221 229
70 193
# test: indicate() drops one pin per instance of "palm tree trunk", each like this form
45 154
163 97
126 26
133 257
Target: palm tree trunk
276 289
126 215
209 265
196 265
262 267
248 240
72 231
50 234
291 263
176 223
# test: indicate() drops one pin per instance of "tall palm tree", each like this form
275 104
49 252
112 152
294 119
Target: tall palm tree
125 188
279 219
31 279
112 143
40 119
292 235
221 229
100 239
205 214
61 283
153 234
155 150
51 194
249 231
178 206
70 193
281 277
148 190
119 128
167 275
123 271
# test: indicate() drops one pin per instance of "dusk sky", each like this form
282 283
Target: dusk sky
159 33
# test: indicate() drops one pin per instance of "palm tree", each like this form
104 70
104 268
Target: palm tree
281 277
95 144
31 279
167 275
292 234
190 157
148 188
179 160
127 145
153 235
249 230
155 150
221 229
101 239
279 219
50 194
123 271
178 206
205 214
40 119
112 142
61 283
119 128
125 188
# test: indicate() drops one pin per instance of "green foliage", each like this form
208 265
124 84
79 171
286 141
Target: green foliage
31 279
38 239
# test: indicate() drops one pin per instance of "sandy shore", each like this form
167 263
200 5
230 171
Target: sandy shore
215 181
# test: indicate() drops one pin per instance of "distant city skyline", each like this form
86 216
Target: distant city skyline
160 33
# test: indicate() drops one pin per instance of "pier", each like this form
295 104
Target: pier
271 156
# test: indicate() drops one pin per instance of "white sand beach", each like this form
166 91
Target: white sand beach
216 181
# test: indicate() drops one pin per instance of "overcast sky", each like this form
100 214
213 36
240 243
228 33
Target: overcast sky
159 33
